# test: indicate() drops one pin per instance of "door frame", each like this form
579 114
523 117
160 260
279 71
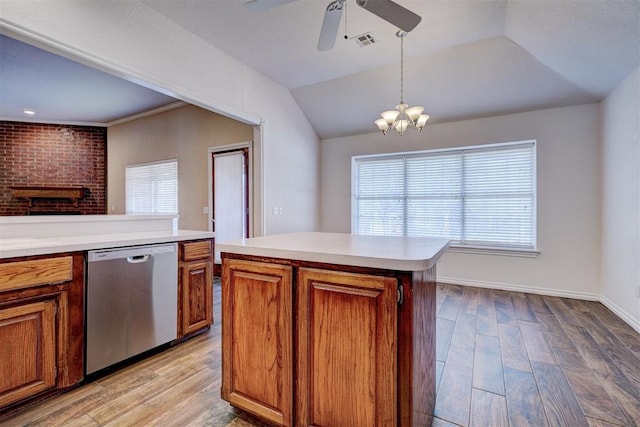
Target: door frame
248 145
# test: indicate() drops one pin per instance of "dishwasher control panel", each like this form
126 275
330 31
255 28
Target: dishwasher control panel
106 254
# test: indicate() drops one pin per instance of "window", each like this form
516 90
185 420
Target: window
152 188
481 196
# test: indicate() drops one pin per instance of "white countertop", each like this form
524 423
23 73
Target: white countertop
393 253
40 235
18 247
78 219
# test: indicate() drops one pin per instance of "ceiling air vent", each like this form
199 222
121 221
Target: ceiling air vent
364 39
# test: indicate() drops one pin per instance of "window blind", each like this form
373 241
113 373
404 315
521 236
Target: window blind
478 196
152 188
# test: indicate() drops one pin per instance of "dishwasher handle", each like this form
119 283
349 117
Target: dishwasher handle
137 259
133 254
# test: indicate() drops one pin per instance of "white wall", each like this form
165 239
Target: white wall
568 184
621 199
131 40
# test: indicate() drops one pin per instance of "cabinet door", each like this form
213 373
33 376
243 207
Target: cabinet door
27 353
346 359
257 365
196 289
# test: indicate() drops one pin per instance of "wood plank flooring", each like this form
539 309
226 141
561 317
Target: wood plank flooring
503 359
515 359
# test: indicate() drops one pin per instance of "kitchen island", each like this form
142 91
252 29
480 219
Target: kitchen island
44 288
330 329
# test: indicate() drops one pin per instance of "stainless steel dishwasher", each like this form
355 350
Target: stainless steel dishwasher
132 302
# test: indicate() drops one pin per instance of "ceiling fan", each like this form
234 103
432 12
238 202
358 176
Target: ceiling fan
388 10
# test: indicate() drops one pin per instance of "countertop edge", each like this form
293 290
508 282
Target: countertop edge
61 219
55 245
368 261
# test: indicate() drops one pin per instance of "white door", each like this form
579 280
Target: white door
230 196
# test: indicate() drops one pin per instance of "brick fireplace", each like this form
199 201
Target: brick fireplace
52 155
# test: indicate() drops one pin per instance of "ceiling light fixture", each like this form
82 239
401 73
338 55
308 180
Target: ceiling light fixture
29 112
403 116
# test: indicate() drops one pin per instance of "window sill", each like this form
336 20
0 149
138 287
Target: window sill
523 253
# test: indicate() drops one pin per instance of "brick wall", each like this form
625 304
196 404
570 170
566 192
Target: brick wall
33 154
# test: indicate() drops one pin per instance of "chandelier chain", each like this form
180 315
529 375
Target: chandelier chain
401 69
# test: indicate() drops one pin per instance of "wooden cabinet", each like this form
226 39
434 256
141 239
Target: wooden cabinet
28 353
313 344
41 326
257 339
195 287
346 359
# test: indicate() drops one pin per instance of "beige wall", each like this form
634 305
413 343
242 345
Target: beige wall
184 133
568 190
621 199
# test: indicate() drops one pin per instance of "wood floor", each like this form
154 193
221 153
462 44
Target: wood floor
503 359
514 359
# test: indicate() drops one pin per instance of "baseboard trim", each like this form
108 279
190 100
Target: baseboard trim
618 311
519 288
622 314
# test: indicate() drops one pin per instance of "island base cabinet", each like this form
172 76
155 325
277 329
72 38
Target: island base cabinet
28 351
257 341
313 344
346 358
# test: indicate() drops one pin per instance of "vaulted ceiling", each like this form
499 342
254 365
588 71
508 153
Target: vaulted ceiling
466 59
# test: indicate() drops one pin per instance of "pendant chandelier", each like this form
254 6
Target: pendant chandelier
403 116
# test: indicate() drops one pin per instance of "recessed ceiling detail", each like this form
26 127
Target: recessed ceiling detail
465 59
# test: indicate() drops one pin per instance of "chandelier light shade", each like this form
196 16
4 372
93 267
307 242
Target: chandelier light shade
403 117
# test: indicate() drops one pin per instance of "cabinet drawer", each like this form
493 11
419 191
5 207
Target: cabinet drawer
22 274
196 250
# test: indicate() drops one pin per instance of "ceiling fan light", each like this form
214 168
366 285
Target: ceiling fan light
414 113
422 120
390 116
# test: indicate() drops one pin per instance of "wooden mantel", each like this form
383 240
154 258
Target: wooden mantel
37 192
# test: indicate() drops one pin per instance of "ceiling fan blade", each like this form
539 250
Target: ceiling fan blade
330 25
392 12
264 4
